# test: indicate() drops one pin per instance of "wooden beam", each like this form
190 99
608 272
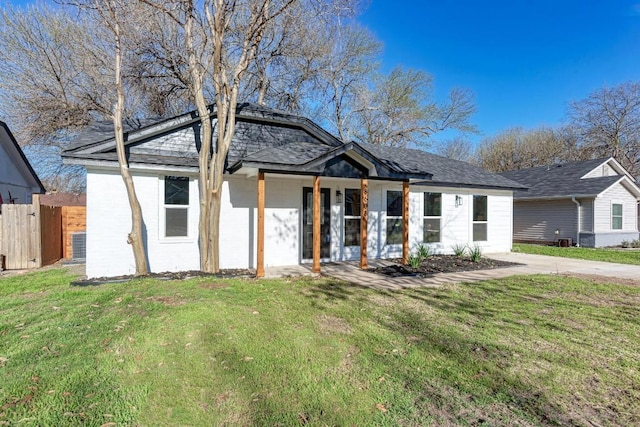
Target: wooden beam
316 224
260 255
364 216
405 222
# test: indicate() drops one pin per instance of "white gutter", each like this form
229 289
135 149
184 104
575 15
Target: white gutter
573 199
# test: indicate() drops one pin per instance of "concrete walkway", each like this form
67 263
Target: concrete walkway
532 264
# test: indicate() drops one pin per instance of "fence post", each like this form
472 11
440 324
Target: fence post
37 229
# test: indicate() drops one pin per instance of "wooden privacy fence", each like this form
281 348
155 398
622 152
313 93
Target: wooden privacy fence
30 235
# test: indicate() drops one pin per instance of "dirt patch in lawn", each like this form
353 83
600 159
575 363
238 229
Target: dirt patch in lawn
330 324
440 264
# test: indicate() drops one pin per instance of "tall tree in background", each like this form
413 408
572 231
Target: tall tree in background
607 123
517 148
457 148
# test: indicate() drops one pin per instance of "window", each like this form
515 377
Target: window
616 216
394 217
176 206
352 214
479 218
432 215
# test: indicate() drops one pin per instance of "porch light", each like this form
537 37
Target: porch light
557 232
338 196
458 201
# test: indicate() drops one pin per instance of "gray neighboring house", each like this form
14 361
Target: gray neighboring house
593 202
18 180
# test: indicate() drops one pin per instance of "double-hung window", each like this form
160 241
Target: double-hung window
480 218
352 212
432 216
394 217
176 206
616 216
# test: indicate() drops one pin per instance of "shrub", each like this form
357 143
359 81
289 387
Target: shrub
475 253
459 250
414 260
423 252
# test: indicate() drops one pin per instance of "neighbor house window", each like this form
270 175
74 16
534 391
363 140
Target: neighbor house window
352 217
616 216
479 218
394 217
432 216
176 206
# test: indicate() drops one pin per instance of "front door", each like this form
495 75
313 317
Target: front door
307 223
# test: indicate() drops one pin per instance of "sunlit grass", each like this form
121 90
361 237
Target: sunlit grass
621 256
534 350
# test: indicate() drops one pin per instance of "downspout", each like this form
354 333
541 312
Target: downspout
573 199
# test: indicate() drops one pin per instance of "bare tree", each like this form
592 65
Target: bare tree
457 148
399 110
517 148
608 124
114 15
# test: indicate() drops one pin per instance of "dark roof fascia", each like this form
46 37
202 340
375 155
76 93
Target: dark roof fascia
568 197
463 185
23 157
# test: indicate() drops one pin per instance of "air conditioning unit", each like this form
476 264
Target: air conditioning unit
79 246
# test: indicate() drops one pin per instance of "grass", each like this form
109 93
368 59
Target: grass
536 350
592 254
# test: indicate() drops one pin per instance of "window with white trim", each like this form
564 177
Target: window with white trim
394 217
352 212
176 206
616 216
432 217
480 218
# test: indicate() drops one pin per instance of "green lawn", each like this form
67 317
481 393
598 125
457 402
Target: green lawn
622 256
535 350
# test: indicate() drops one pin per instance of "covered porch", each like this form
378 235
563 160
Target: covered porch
335 201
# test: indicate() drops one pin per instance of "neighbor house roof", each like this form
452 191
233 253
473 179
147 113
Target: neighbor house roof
275 141
8 141
566 180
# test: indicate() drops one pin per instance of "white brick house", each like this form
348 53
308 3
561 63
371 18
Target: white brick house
448 203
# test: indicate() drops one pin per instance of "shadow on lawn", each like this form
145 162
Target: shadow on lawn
478 384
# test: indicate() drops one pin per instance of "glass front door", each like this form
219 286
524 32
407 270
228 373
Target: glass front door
307 223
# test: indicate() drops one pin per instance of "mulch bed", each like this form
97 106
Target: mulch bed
440 264
168 275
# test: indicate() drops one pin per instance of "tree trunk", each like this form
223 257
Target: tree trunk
135 238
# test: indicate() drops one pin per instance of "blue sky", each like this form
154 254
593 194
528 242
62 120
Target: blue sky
524 60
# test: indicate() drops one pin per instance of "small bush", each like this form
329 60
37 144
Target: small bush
414 260
459 250
625 244
475 253
423 252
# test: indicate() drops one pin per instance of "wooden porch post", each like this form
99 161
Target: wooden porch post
316 224
405 222
260 256
364 216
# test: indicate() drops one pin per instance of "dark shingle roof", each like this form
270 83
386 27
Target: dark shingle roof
561 180
277 141
445 171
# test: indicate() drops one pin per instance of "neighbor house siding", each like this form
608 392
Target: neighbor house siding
586 215
12 180
538 220
615 194
602 170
